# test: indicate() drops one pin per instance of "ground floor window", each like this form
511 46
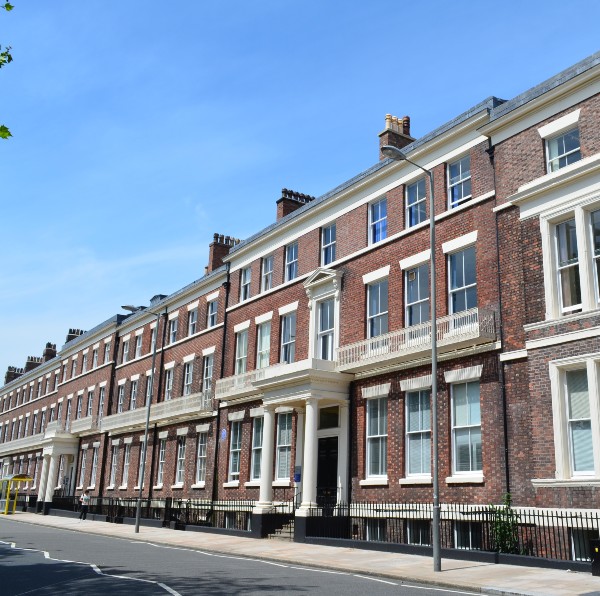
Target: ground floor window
468 535
580 543
418 531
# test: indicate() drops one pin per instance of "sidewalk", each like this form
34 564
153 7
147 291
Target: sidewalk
480 577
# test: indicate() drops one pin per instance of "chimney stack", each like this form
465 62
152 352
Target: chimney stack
73 333
396 133
218 249
32 362
49 352
12 373
290 201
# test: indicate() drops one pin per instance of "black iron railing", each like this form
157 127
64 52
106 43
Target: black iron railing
230 515
542 533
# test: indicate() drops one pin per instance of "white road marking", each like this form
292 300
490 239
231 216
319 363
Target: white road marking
373 579
312 570
441 590
94 567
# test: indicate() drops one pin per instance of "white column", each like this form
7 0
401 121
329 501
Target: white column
309 472
299 461
265 495
51 485
343 454
43 478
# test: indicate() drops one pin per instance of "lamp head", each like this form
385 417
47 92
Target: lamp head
393 153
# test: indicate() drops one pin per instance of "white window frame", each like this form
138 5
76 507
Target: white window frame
126 461
94 473
418 272
466 286
472 426
326 336
257 443
192 321
172 330
417 193
422 433
188 377
283 464
95 358
125 352
207 372
101 398
235 451
376 317
90 403
245 283
168 384
291 261
120 398
162 454
84 361
180 464
106 353
138 346
201 458
133 398
328 244
241 352
377 221
211 314
288 337
82 468
376 440
564 157
266 279
114 462
263 344
462 181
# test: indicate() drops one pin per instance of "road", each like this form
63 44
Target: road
40 561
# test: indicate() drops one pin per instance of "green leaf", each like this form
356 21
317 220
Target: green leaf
8 7
4 132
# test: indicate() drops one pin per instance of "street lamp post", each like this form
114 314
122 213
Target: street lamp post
397 155
149 395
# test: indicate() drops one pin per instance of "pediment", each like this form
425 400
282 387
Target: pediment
323 276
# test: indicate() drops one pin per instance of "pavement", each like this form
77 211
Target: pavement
501 580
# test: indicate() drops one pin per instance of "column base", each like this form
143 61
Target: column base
262 508
303 511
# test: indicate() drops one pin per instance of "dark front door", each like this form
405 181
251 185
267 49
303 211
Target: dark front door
327 472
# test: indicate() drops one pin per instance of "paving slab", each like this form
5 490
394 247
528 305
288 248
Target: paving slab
486 578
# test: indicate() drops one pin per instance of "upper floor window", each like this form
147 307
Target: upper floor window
188 377
138 346
288 338
180 468
74 369
106 352
568 266
207 373
162 456
291 261
84 362
241 352
90 403
417 295
168 384
235 450
563 150
415 203
211 313
266 281
418 433
459 181
172 331
120 400
463 283
125 353
579 422
378 221
263 345
328 245
133 397
325 329
201 455
192 321
245 279
257 441
284 446
377 308
95 358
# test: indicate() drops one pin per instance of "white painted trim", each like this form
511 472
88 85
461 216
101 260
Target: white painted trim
414 260
163 434
460 242
376 275
559 125
416 383
281 483
80 392
241 326
115 442
121 381
376 481
107 340
236 416
288 308
375 391
562 338
139 332
232 484
415 480
173 315
212 296
466 479
85 351
96 346
153 325
263 318
252 484
123 338
96 444
208 351
283 410
193 306
198 485
170 365
514 355
257 412
181 432
189 358
127 440
135 377
459 375
102 383
92 387
202 428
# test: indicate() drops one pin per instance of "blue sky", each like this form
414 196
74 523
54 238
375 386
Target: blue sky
141 128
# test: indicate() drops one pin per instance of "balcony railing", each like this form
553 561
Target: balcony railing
468 328
238 385
128 419
89 423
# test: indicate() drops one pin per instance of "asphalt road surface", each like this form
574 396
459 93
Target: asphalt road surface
40 561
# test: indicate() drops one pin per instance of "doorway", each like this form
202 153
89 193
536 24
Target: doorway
327 472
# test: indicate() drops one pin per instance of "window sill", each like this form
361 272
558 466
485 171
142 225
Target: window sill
80 487
157 487
178 486
466 479
111 487
231 484
415 481
382 481
123 487
580 481
252 483
198 485
281 483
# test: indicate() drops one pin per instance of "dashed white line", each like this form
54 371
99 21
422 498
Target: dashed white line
440 589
